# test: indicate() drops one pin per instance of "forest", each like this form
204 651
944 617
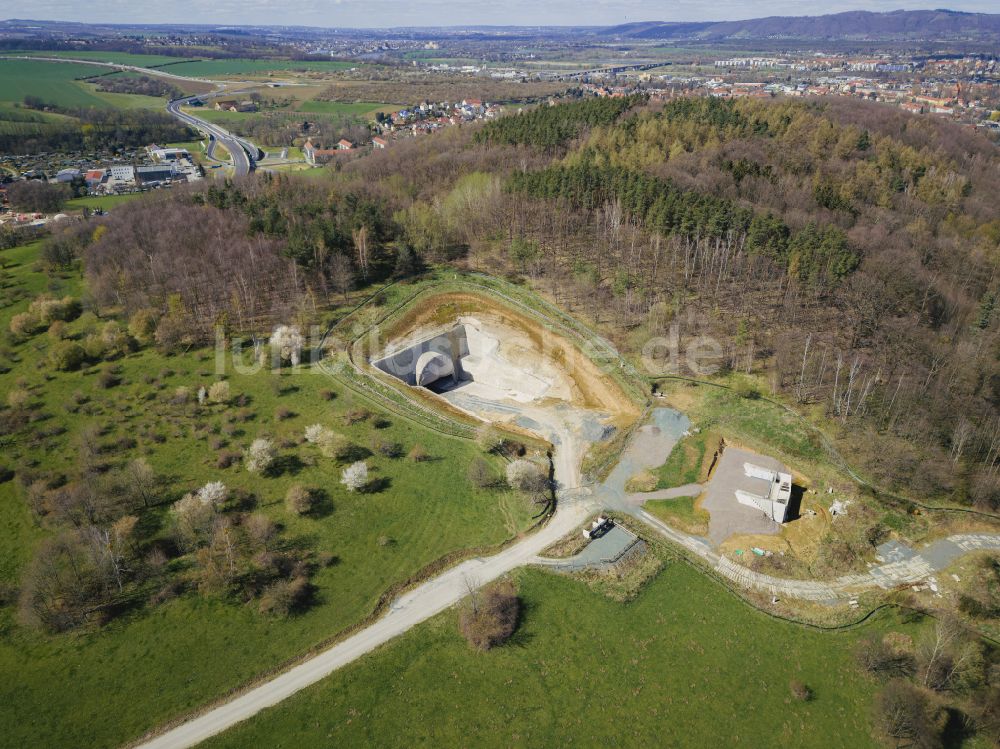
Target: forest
844 252
92 129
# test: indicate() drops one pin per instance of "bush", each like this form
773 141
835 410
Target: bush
386 447
219 392
67 356
800 691
877 657
260 455
284 597
490 617
526 476
481 473
904 713
24 324
418 454
18 397
299 500
47 310
142 325
108 377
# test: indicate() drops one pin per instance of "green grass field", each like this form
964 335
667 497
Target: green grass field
209 68
684 665
118 58
365 110
104 202
192 649
220 117
53 82
684 464
680 513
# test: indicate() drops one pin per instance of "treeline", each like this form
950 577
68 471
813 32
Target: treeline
548 127
241 254
95 129
143 85
815 253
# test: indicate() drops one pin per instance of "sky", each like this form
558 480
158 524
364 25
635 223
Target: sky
388 13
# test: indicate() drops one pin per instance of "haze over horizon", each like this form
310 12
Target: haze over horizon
392 13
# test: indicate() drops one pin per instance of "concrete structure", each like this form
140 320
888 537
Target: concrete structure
459 356
123 173
731 497
154 174
169 154
770 493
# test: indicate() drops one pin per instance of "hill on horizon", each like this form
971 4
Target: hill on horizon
908 24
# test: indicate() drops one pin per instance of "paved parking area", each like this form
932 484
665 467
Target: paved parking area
728 516
601 552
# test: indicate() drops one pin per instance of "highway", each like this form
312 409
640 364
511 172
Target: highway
245 154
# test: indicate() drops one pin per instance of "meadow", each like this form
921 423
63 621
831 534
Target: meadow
683 665
186 651
209 68
361 109
118 58
53 82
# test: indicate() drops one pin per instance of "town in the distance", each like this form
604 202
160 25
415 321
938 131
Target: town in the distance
403 377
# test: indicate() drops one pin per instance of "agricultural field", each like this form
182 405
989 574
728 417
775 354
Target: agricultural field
211 68
118 58
658 668
53 82
195 647
363 110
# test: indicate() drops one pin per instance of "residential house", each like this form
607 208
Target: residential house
379 142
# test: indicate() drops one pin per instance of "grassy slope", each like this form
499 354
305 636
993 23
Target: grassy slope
684 665
119 58
680 513
209 68
53 82
192 650
361 109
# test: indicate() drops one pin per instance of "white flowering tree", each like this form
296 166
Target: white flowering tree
192 520
317 434
260 455
213 493
355 476
287 343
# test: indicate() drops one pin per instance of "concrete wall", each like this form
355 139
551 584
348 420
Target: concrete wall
402 363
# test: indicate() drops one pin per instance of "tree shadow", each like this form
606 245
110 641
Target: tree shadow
285 465
322 504
354 453
375 486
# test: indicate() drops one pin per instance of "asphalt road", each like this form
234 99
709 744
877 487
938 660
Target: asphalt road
244 153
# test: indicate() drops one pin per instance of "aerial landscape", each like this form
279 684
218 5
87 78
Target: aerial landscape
466 374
